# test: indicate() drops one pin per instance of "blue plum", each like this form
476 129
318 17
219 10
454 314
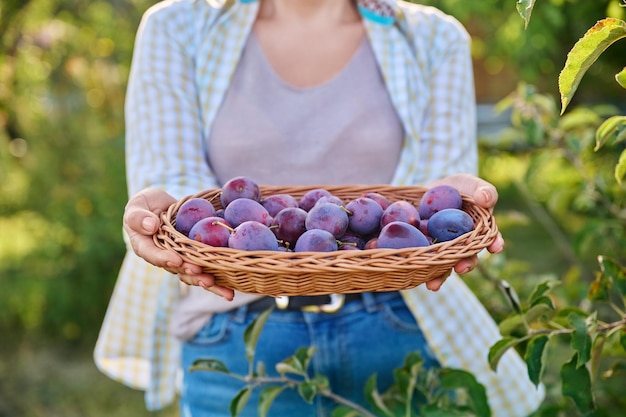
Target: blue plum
448 224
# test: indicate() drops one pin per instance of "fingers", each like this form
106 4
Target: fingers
436 283
466 265
141 222
498 244
142 210
207 282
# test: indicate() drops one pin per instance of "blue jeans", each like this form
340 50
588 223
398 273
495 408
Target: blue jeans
364 337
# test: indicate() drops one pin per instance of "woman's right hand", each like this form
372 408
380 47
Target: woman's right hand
141 222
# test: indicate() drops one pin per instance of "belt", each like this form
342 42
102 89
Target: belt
311 304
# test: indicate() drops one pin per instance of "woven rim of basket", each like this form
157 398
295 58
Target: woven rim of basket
308 273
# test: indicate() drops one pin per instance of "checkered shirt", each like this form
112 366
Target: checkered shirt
184 56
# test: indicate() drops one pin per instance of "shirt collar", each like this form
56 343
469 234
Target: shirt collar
378 11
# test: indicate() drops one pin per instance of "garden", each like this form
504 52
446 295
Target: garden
551 85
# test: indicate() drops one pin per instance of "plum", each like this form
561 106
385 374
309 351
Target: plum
239 187
289 224
439 198
316 240
379 198
402 211
365 214
398 235
252 235
308 200
276 202
190 212
329 217
212 231
449 224
243 209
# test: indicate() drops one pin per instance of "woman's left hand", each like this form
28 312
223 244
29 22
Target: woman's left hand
486 196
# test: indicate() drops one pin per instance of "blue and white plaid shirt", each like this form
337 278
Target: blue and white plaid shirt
185 54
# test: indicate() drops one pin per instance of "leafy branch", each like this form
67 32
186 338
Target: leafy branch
417 391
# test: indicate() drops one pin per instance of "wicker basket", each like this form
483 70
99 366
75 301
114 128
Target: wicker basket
316 273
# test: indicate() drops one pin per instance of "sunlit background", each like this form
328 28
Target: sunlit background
63 71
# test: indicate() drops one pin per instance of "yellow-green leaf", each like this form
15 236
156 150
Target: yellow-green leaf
585 52
620 168
620 77
239 402
267 397
613 128
252 333
499 349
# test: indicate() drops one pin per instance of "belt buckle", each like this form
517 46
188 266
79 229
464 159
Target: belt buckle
336 302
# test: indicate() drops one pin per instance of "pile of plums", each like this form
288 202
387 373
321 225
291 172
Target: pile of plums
319 221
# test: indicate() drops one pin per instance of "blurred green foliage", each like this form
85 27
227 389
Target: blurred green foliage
63 71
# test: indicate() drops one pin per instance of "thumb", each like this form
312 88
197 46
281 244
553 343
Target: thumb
486 196
149 224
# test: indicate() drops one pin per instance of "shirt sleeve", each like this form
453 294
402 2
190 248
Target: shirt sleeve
448 143
164 132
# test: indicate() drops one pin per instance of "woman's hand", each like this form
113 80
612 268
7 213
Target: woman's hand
141 222
486 196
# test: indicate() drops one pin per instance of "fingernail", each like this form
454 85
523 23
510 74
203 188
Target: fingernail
486 196
148 224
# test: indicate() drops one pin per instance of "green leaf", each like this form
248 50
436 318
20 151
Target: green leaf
585 52
534 358
267 397
576 384
499 349
580 341
252 333
541 290
620 168
239 402
543 307
622 338
298 363
620 77
308 390
435 410
613 128
344 411
212 365
374 398
525 9
459 379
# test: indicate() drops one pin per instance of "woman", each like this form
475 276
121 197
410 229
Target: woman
295 92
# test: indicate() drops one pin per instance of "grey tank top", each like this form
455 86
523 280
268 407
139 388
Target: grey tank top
342 131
